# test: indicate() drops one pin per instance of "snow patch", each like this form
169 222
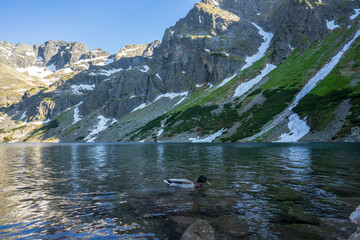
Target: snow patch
208 139
157 75
145 69
331 25
139 107
40 59
67 70
99 128
172 32
108 61
77 116
160 132
124 53
225 81
106 72
77 89
357 13
246 86
207 50
40 72
23 115
199 85
30 54
166 95
8 52
216 3
298 128
52 67
226 54
210 86
267 36
171 95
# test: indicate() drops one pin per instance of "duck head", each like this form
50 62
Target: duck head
203 179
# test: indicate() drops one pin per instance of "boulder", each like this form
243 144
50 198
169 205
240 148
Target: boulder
355 218
180 223
235 229
200 230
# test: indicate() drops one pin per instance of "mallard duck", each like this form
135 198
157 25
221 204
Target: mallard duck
185 183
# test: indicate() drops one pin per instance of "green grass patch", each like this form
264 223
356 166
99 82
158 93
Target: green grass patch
41 130
319 108
253 120
202 119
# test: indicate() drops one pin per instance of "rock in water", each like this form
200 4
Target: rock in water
180 223
355 236
200 230
355 216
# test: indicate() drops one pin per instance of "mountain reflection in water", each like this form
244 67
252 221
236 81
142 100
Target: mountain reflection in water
269 191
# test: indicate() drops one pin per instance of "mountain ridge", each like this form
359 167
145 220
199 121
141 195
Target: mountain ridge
165 90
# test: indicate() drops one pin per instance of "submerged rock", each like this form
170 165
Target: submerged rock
284 193
234 229
295 215
200 230
355 218
180 223
355 236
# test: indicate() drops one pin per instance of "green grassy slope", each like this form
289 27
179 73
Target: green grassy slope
207 110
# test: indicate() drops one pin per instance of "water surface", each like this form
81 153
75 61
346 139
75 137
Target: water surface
115 191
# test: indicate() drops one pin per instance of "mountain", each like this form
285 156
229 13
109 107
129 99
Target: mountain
229 71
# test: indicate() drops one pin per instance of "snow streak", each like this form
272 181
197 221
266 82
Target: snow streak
306 89
208 139
246 86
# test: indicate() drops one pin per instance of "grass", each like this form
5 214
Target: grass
333 90
203 119
321 113
201 113
41 130
253 120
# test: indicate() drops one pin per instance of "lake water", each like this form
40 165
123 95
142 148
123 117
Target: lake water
258 191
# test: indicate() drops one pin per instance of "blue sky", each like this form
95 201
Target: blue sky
106 24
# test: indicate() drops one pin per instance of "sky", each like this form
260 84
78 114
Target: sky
106 24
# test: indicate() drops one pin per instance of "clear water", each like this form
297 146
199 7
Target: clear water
116 191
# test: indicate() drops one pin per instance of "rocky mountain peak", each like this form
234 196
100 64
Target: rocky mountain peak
61 53
134 50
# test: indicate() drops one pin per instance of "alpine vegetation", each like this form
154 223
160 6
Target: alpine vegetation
228 71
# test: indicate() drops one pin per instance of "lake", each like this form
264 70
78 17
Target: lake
115 191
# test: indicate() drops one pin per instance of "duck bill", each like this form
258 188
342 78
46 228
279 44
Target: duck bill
208 183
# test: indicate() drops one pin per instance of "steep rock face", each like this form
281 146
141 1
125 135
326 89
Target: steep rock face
253 10
205 46
300 23
19 55
60 53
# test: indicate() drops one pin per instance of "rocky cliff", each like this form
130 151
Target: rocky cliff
225 72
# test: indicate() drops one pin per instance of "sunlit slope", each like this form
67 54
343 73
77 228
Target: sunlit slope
215 111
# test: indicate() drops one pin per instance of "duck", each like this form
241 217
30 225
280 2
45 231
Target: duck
185 183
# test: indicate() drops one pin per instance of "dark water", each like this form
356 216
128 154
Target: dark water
259 191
